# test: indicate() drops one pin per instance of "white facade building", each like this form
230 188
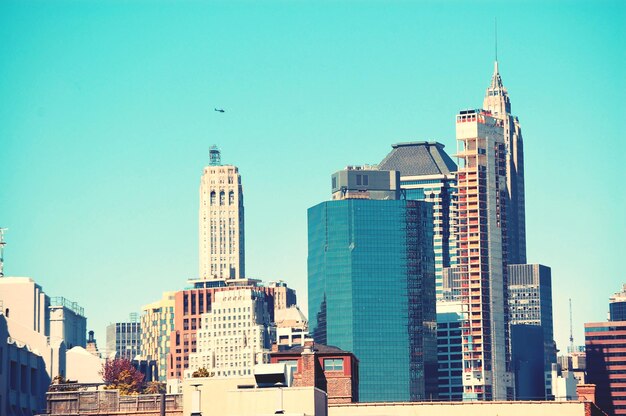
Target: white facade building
234 336
292 327
25 303
221 222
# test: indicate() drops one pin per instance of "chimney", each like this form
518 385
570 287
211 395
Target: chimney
307 377
586 392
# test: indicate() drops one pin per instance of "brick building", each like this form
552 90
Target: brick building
605 343
328 368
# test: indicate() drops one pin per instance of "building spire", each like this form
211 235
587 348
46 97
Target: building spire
496 37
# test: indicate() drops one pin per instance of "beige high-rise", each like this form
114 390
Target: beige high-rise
221 224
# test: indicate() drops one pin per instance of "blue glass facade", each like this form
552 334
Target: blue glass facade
617 311
371 291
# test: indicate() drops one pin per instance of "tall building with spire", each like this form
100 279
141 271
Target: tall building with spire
481 231
221 224
498 103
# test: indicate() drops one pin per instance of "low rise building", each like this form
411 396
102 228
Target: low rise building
23 376
82 366
328 368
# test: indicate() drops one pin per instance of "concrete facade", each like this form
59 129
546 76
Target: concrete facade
221 220
23 376
124 339
291 326
68 322
190 304
482 255
24 301
467 409
82 366
234 336
239 397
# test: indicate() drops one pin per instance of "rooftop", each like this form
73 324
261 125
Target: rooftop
418 159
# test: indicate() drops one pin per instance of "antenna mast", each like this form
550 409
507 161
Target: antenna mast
571 331
2 244
496 30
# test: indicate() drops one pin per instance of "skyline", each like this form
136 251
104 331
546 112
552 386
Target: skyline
114 195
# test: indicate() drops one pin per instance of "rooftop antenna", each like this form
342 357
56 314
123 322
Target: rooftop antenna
571 331
215 156
2 244
496 30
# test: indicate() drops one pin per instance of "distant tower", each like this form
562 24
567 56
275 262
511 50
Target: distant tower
497 101
2 244
221 221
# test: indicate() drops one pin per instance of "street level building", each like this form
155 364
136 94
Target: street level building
427 174
221 221
371 292
482 255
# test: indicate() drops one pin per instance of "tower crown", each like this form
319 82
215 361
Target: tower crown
215 156
496 97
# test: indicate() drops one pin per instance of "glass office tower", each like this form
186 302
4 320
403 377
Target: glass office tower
427 174
372 291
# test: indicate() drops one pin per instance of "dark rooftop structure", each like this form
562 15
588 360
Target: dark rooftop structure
418 159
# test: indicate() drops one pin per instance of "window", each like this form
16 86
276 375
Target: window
333 364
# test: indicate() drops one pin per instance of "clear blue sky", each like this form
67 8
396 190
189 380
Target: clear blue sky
107 117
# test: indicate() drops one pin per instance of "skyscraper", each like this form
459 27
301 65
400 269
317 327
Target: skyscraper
482 255
530 303
498 103
427 174
371 291
221 222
